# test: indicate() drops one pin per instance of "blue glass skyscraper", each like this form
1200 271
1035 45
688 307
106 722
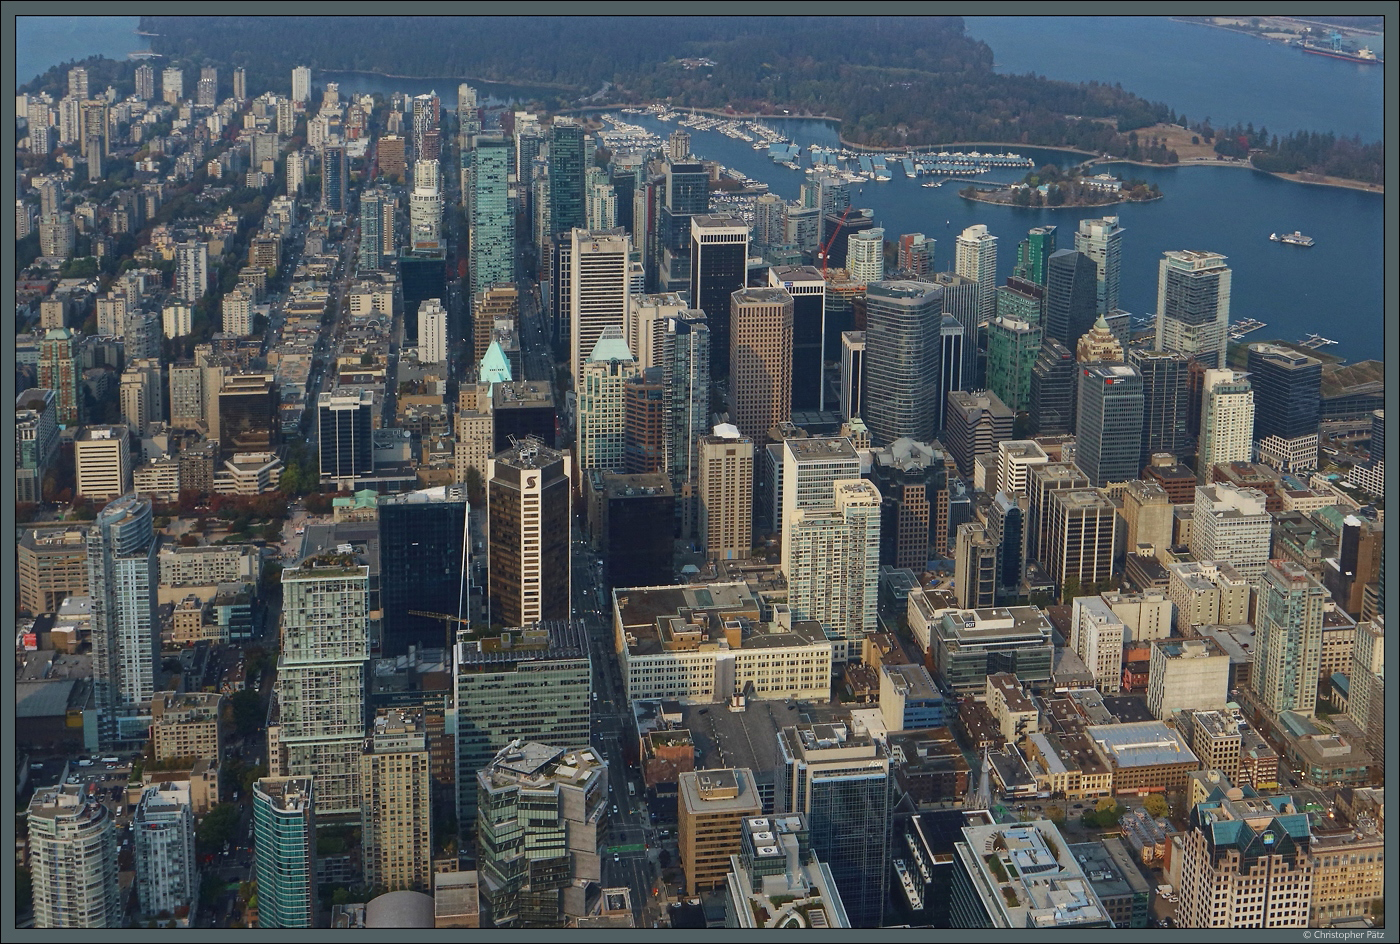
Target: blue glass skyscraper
489 216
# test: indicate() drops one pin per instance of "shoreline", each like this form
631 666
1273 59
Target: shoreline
1297 178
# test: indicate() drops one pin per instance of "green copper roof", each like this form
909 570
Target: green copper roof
494 366
611 347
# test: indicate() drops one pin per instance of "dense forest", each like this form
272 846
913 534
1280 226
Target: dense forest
891 80
1301 152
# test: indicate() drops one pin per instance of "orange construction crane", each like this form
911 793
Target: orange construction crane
827 248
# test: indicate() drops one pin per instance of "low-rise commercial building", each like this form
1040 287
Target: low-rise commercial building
706 642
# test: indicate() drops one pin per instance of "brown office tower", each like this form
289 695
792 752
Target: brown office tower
645 419
760 360
499 302
391 157
248 420
712 807
528 508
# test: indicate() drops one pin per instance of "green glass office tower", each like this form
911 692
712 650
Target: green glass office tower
1033 254
491 223
566 168
1012 348
1022 299
284 849
536 688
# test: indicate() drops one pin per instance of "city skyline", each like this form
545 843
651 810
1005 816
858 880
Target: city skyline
445 509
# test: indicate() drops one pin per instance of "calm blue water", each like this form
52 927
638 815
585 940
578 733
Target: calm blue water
1334 289
1198 70
42 42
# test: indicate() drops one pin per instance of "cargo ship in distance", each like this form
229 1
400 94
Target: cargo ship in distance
1363 55
1294 238
1334 46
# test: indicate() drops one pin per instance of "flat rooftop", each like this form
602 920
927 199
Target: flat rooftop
996 625
719 791
822 447
1141 744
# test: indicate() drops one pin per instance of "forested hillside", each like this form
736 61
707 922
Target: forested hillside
892 80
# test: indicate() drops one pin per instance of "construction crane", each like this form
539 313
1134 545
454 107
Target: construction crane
447 621
827 248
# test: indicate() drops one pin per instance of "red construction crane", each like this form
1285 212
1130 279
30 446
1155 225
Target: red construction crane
827 247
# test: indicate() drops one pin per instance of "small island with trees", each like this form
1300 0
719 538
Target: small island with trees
1049 186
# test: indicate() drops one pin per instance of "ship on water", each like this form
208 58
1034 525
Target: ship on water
1294 238
1334 48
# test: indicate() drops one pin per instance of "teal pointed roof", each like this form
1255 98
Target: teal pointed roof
494 367
611 346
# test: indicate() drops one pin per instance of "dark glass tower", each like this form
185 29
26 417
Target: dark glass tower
422 566
836 234
333 178
424 276
248 420
1164 402
344 427
903 346
1052 389
841 783
1071 297
808 290
719 254
684 194
566 170
1287 391
1109 423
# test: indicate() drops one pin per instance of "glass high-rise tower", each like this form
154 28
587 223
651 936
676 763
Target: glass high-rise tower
1071 300
1033 252
1102 241
423 553
1109 423
1288 655
538 689
840 780
1164 402
371 230
1193 305
284 851
566 168
903 335
719 252
491 222
123 577
1287 405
